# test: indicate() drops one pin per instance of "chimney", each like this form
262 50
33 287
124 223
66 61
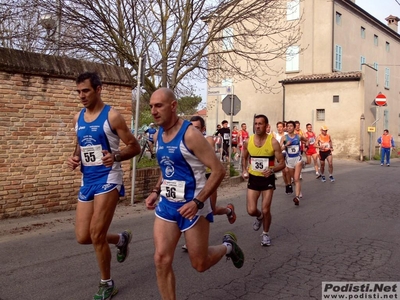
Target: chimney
393 22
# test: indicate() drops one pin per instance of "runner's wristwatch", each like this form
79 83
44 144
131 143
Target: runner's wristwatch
199 204
117 157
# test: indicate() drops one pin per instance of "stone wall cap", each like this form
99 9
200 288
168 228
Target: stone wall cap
29 63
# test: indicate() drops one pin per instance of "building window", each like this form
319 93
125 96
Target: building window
387 47
227 41
292 59
386 118
320 114
376 68
399 124
293 10
338 18
362 61
375 40
335 98
362 32
387 78
338 58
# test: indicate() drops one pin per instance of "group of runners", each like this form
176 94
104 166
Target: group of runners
222 140
295 143
184 196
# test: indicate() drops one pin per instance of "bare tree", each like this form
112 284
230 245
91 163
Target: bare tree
21 27
182 40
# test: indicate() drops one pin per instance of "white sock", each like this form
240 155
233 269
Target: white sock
228 247
267 233
121 240
108 281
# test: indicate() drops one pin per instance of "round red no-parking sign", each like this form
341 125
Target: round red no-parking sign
380 99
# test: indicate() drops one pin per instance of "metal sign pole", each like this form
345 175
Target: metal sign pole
231 127
138 85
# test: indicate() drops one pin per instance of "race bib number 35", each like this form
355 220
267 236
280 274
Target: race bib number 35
91 155
259 164
173 190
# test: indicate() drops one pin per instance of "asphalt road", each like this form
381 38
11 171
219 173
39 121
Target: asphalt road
342 231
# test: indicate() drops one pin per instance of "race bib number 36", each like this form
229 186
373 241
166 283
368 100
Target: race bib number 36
91 155
259 164
173 190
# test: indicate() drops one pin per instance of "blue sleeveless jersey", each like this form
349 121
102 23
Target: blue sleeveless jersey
93 137
182 172
293 149
151 132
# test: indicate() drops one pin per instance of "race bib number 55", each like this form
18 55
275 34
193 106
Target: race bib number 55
91 155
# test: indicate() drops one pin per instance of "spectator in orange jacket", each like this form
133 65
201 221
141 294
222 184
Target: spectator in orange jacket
386 142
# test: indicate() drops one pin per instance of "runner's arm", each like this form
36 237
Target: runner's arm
205 153
278 156
74 161
245 157
154 194
118 123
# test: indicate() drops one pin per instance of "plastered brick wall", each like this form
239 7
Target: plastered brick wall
37 103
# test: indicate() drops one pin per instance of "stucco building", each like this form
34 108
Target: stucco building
348 57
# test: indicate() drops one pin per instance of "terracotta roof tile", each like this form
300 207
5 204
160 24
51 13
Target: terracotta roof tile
202 112
335 76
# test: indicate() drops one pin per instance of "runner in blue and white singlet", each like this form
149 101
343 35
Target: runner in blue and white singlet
183 178
99 130
93 138
293 154
293 158
184 207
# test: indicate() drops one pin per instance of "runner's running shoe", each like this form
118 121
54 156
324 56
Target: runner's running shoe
105 291
123 251
296 200
290 189
331 178
232 215
257 224
323 179
236 254
265 241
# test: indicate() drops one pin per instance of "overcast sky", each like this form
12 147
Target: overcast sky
380 9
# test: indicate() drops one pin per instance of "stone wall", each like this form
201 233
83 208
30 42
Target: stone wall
37 103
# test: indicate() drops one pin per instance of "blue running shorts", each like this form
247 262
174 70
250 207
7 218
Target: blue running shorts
87 193
168 211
